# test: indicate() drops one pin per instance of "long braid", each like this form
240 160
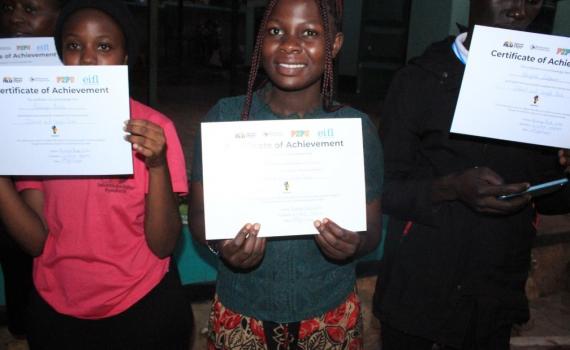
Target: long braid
327 89
256 59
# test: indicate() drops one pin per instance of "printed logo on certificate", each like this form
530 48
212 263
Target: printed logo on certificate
516 87
23 51
283 174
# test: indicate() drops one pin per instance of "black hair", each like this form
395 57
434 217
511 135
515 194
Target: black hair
61 3
329 9
116 9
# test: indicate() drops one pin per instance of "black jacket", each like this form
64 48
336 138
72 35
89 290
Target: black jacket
455 267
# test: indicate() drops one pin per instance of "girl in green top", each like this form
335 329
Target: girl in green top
291 293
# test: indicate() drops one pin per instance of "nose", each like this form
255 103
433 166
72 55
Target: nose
518 10
88 57
290 44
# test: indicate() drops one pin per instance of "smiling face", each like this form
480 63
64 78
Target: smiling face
91 37
293 50
507 14
29 17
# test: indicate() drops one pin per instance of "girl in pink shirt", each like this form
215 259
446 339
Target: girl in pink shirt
102 245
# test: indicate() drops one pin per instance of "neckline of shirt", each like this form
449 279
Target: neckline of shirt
459 48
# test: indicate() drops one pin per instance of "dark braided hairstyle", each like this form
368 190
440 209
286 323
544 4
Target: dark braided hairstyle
328 9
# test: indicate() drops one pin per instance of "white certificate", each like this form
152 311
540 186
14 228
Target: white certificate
516 87
28 52
65 120
283 174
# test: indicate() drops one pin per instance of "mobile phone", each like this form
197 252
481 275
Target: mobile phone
540 189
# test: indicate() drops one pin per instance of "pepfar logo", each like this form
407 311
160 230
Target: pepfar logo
300 133
513 45
23 47
563 52
65 80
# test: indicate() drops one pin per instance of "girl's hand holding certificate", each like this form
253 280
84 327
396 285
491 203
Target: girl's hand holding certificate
336 242
246 250
148 140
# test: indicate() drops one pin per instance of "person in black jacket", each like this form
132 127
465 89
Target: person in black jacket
457 257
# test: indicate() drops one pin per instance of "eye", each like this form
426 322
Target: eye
30 9
72 46
275 31
310 32
104 47
7 8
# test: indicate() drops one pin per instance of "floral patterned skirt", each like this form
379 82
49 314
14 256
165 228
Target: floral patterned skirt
338 329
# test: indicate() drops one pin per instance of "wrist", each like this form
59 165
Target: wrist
445 189
213 247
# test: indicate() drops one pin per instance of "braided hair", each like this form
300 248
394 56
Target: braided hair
329 9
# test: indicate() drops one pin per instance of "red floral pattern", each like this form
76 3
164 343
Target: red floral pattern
338 329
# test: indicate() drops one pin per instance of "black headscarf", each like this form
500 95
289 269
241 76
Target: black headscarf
114 8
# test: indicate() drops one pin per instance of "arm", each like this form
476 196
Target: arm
340 244
412 191
162 220
22 213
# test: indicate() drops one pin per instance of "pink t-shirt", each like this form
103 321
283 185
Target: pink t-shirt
96 262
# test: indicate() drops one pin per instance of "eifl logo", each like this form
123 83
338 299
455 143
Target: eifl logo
42 47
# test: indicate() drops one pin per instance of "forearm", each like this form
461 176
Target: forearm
444 189
409 199
21 220
162 219
197 224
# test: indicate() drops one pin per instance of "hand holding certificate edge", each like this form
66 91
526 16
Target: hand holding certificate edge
246 250
336 242
148 140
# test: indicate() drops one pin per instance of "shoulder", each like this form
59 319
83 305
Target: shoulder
436 63
226 109
142 111
350 112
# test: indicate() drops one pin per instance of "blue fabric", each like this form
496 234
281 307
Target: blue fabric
294 281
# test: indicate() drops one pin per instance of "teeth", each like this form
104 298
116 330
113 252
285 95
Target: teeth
291 66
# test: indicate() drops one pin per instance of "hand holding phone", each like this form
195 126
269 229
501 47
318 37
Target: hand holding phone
539 189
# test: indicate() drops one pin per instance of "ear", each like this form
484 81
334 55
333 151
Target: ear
337 44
